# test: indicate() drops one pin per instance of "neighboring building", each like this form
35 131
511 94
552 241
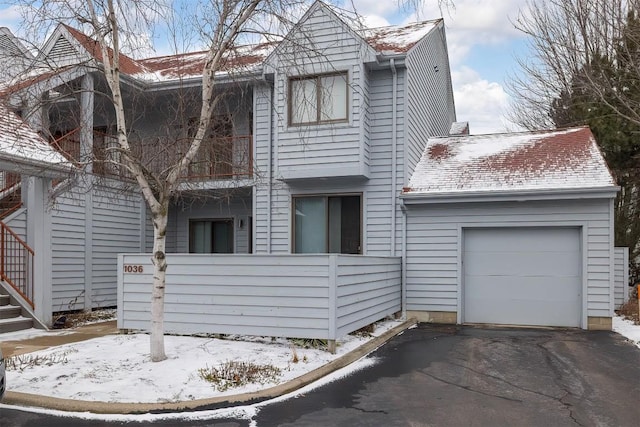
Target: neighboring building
311 147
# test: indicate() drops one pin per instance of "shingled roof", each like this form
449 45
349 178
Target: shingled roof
23 150
390 40
567 159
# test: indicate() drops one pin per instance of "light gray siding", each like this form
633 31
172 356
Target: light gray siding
17 221
306 296
434 234
430 106
85 241
367 290
116 229
68 252
621 276
322 44
378 196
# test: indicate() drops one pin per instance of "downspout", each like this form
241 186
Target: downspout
394 154
269 166
403 279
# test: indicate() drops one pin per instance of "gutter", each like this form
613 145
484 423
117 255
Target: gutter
269 163
519 195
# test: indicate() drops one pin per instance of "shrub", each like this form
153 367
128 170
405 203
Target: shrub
232 374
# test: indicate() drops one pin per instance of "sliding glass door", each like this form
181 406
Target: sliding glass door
327 224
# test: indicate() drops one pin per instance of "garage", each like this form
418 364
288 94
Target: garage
511 229
522 276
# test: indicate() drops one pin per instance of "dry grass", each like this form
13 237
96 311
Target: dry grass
26 361
79 318
630 310
236 374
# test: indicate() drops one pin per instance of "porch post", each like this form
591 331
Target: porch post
39 239
86 157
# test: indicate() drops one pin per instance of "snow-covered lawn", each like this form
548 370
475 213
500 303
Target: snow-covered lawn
117 368
627 329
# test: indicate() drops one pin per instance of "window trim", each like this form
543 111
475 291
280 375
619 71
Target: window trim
326 196
317 78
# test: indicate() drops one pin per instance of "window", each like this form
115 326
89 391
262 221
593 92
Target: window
318 99
211 236
327 224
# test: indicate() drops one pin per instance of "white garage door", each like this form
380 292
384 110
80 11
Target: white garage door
522 276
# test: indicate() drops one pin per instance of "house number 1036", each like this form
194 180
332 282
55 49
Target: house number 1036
129 268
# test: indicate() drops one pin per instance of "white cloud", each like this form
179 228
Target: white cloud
10 18
371 7
480 102
474 22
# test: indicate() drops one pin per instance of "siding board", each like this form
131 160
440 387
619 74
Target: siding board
432 264
231 294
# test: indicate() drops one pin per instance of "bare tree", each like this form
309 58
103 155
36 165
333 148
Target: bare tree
565 37
584 68
116 26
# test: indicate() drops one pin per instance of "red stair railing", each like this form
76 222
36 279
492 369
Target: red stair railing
16 263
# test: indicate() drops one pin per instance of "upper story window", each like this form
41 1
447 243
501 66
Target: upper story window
318 99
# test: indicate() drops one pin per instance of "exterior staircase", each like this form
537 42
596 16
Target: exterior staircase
16 263
11 318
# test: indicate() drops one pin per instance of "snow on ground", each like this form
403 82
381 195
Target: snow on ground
186 355
117 368
627 329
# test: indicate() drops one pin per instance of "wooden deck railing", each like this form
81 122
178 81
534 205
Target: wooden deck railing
10 193
218 157
16 263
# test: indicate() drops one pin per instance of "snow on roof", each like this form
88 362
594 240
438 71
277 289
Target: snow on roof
243 58
391 40
397 39
21 144
546 160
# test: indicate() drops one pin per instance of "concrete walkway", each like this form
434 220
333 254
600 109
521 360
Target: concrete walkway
17 347
63 336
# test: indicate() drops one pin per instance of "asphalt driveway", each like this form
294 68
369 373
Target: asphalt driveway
468 376
456 376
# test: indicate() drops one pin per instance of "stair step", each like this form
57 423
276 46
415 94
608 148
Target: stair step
9 311
15 324
4 300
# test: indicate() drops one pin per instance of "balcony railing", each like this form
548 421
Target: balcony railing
16 263
218 157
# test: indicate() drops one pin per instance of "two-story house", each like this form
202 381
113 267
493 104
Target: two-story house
309 178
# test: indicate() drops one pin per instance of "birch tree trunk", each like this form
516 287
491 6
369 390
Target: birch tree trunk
159 279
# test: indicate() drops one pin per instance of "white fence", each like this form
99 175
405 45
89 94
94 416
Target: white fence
303 296
621 276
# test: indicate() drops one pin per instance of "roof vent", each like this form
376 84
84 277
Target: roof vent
459 129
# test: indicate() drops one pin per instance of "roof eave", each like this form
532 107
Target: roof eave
196 81
35 167
510 195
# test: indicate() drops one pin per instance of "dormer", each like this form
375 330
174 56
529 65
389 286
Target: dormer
320 81
329 75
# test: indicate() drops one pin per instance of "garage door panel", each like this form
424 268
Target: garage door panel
527 238
525 313
523 276
524 288
521 263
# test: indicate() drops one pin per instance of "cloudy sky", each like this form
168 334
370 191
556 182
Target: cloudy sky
482 41
483 45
